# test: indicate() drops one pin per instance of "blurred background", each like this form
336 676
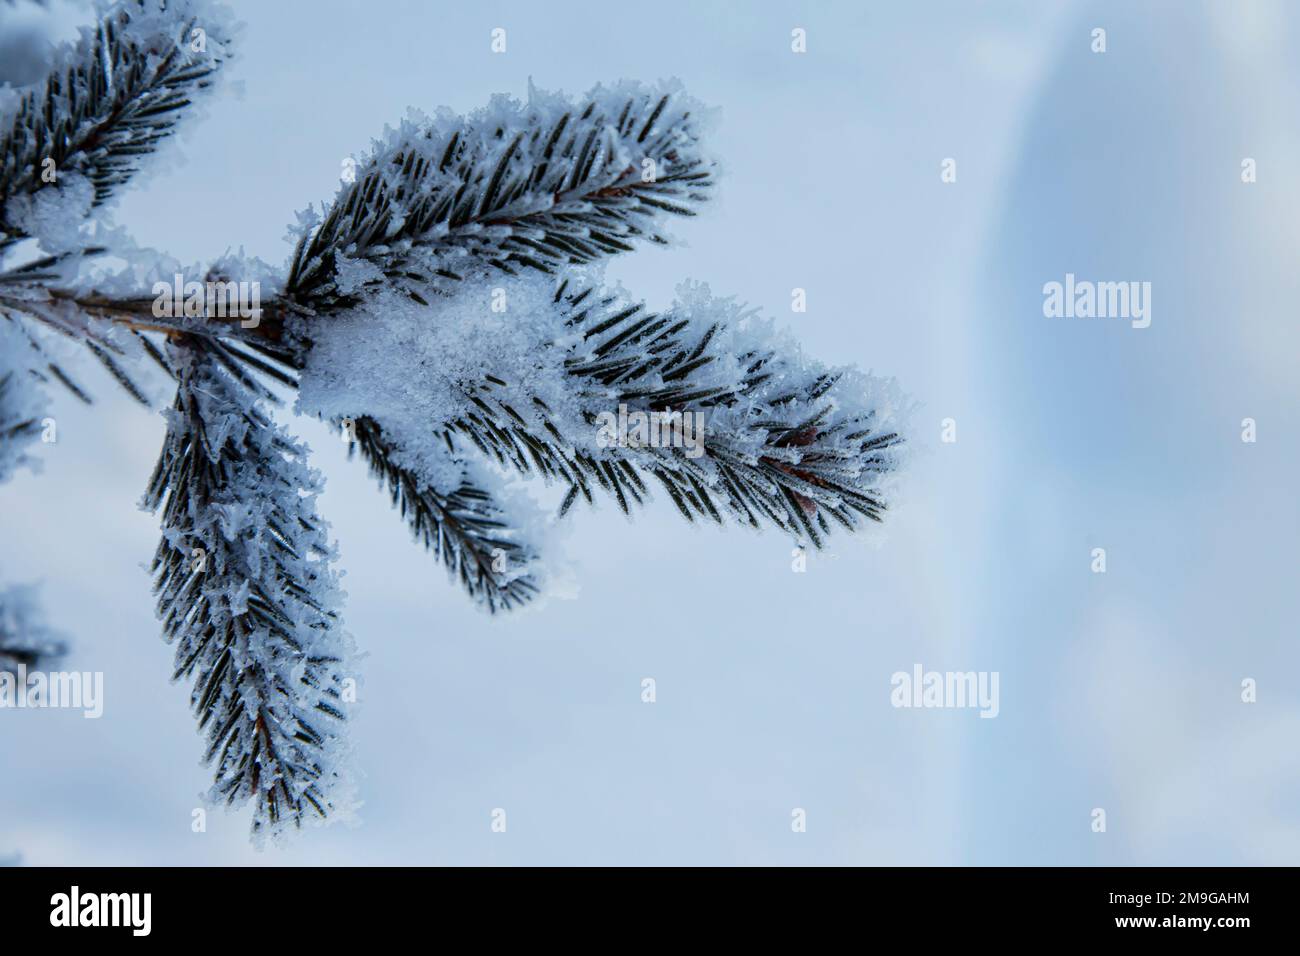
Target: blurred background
1120 691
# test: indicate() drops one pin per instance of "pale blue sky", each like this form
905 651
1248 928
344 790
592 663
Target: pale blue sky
1118 691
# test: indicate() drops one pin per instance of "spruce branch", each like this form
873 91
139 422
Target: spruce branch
512 188
786 442
25 302
466 527
247 596
111 100
380 323
120 330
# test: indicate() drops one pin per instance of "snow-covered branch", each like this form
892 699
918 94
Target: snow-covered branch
515 186
455 515
447 311
247 595
727 416
111 98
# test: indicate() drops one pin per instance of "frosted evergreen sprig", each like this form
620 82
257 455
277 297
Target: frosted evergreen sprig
247 596
775 438
110 100
447 312
785 439
516 186
464 525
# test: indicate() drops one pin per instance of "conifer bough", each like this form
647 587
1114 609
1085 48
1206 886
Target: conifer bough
447 315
